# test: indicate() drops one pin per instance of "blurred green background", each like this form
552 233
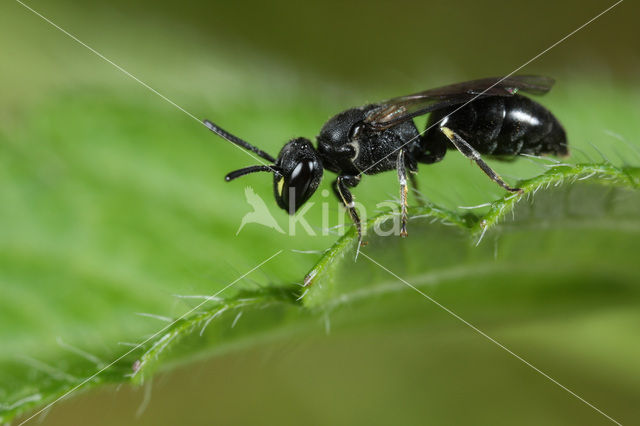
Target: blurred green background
112 199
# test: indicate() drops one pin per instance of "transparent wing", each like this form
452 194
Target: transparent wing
394 111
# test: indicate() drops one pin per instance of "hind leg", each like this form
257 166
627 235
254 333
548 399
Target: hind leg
469 152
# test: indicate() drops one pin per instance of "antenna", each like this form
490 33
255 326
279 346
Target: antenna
251 169
236 140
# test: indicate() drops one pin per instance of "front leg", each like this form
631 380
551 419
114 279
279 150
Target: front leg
340 187
402 177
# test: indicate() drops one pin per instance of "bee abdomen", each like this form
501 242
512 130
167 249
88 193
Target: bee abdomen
502 126
529 128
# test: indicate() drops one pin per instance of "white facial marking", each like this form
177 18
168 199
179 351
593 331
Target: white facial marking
356 150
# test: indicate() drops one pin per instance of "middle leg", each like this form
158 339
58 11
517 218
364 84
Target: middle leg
402 177
415 188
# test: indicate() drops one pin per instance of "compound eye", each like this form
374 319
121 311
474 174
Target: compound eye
356 131
300 183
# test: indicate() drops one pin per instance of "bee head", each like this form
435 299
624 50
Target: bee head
300 173
297 171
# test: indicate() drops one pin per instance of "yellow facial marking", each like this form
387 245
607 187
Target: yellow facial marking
280 186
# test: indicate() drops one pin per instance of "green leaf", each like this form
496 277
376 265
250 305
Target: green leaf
113 205
586 197
546 245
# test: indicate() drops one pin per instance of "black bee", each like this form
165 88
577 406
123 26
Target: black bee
486 116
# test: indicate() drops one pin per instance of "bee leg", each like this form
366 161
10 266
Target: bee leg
402 177
468 151
340 187
415 188
412 168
